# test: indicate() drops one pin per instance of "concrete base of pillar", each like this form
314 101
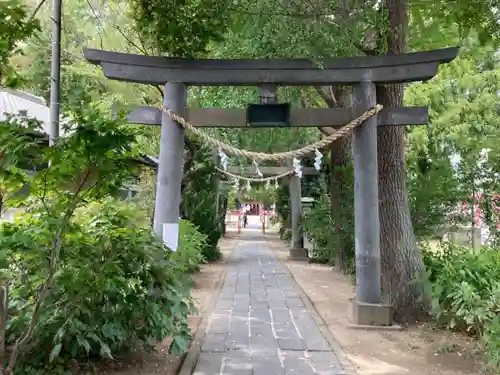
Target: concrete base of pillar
370 315
299 254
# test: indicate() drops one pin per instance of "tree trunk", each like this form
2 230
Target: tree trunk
401 259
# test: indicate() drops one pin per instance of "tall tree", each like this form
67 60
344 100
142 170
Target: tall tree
400 256
401 259
444 159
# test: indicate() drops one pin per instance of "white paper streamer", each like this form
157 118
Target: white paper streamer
259 173
223 159
297 167
317 159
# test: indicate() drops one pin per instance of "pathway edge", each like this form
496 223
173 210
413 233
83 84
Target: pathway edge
191 358
337 348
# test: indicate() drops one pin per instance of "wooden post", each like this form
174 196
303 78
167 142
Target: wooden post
169 177
239 221
216 184
296 212
262 213
297 250
55 73
366 205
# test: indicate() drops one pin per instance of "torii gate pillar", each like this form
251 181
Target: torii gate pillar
297 250
366 202
170 165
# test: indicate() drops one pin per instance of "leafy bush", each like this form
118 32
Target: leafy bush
90 163
191 245
466 292
319 227
200 200
202 214
116 284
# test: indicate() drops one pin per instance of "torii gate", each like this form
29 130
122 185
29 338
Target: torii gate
363 73
297 250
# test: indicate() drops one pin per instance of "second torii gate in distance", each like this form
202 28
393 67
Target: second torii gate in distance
297 250
363 73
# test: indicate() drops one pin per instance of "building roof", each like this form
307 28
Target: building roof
12 101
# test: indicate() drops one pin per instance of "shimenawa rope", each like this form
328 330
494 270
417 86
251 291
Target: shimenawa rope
254 179
280 156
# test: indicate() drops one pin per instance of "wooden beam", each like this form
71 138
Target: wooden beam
269 171
158 70
289 77
96 56
299 117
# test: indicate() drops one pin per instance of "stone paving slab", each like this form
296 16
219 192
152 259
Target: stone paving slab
260 325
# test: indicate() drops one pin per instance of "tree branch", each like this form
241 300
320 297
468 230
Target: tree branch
38 7
129 40
326 93
159 89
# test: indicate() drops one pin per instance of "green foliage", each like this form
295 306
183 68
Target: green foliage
447 22
328 233
62 301
256 194
90 163
332 230
116 284
87 278
191 245
466 292
15 27
18 149
463 106
283 210
200 199
319 227
182 28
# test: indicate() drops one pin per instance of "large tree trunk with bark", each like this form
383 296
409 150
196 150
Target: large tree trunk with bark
401 259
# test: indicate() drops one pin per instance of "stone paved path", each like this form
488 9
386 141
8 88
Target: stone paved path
260 325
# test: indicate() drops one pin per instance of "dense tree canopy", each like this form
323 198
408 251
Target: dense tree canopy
16 26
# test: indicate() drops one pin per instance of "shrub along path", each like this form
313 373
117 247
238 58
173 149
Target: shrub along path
160 361
260 324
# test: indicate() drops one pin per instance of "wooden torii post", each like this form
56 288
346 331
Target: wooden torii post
363 73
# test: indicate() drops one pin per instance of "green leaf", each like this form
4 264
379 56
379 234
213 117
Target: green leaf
179 344
105 351
56 350
82 341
